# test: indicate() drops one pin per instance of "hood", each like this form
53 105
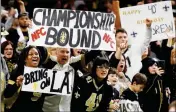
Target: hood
146 63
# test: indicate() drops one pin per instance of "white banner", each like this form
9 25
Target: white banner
133 20
48 81
73 29
129 106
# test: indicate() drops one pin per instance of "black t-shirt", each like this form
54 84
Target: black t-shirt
14 36
26 101
26 36
129 95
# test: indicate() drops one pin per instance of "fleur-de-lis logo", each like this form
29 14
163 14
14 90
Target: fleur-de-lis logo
10 66
63 37
77 95
89 79
35 86
36 96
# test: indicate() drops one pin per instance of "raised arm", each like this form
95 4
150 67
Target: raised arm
116 10
148 36
22 7
140 47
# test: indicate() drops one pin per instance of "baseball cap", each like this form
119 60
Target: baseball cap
23 14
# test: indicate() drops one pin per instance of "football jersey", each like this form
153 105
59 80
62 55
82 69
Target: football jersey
88 96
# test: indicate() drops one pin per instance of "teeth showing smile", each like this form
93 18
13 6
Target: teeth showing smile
8 54
35 60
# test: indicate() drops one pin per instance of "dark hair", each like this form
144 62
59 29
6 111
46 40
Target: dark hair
125 68
146 63
82 7
99 61
23 56
19 70
139 78
114 63
101 5
5 44
112 71
23 14
121 30
25 52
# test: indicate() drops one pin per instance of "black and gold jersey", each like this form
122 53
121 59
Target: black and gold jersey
17 100
90 96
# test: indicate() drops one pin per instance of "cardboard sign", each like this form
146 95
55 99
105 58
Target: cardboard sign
129 106
48 81
133 20
73 29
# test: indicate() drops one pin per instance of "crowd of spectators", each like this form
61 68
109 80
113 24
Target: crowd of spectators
101 78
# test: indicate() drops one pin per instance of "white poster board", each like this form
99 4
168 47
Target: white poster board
133 20
48 81
73 29
129 106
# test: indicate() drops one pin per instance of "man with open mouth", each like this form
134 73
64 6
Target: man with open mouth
59 102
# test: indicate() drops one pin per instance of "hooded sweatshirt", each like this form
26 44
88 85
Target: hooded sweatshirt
152 96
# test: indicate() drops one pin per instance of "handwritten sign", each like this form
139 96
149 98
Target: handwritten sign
133 20
129 106
48 81
70 29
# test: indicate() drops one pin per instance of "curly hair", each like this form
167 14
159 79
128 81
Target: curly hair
23 56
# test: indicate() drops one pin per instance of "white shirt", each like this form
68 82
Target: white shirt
134 55
59 103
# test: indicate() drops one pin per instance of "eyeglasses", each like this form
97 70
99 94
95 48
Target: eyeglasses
101 67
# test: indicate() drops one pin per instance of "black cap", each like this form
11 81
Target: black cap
23 14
